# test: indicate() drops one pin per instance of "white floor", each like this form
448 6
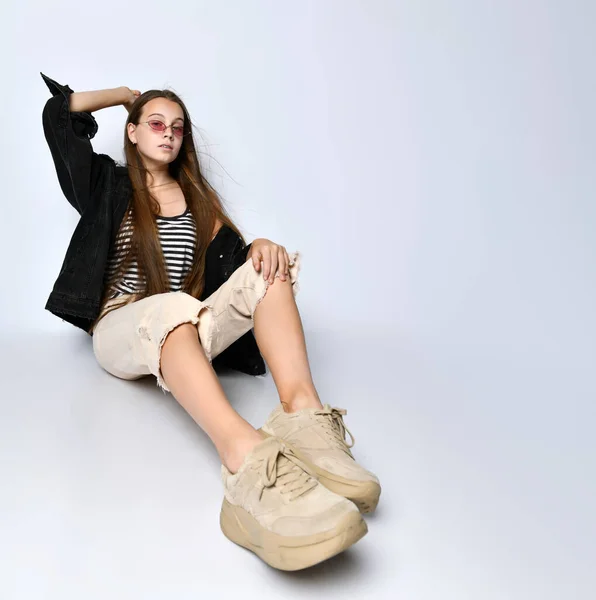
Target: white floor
110 491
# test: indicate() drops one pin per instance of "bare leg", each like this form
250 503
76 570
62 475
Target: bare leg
195 385
280 337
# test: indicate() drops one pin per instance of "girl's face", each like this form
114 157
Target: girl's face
149 140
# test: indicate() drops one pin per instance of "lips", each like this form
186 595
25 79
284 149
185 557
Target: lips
166 147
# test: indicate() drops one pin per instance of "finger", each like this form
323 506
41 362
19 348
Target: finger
274 266
283 264
274 263
256 261
266 253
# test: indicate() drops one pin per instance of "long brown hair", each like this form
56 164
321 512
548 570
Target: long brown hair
201 198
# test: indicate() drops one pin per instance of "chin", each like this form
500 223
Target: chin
164 160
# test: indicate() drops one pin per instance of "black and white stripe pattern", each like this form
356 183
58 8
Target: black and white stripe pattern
177 236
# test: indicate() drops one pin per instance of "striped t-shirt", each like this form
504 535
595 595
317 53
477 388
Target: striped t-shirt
177 236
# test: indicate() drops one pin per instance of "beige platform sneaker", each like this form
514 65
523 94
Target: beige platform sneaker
317 438
276 509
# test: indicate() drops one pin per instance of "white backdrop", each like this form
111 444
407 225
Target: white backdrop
434 161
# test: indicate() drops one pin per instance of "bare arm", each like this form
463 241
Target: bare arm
98 99
69 127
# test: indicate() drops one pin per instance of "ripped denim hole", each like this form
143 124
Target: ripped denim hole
143 332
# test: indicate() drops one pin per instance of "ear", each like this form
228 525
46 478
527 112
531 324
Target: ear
131 128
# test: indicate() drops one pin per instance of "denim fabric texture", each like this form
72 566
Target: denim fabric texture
100 190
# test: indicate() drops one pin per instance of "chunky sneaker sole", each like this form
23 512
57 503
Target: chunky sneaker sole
276 508
364 494
289 553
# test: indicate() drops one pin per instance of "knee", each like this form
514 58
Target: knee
184 329
184 332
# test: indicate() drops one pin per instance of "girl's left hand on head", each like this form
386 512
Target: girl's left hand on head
275 259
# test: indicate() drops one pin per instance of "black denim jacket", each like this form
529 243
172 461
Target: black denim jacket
100 191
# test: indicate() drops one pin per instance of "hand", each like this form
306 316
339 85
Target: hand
130 97
275 259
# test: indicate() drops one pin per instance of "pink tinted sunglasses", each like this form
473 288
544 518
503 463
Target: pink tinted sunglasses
177 130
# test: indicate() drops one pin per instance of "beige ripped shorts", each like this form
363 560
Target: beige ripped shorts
127 341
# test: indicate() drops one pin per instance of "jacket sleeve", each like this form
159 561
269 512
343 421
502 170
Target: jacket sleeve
225 254
240 254
81 171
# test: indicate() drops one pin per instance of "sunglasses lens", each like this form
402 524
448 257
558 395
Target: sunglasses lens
159 126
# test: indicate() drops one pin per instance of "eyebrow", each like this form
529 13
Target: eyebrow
159 114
